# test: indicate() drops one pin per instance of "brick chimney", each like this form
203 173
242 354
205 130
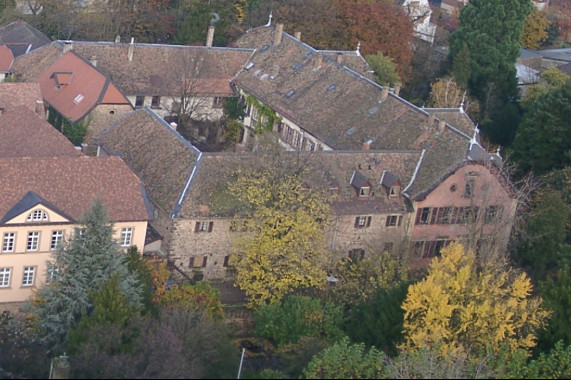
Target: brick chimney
441 125
67 46
278 34
317 61
131 49
397 89
339 58
210 36
367 145
117 39
385 93
431 118
297 35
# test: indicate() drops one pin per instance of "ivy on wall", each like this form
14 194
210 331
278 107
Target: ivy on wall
267 117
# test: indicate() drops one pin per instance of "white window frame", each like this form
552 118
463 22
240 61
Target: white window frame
33 241
57 239
37 216
9 242
29 276
126 236
5 276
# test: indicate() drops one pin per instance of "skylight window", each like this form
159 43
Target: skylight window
331 88
249 65
297 67
263 76
373 110
350 131
264 48
78 99
290 93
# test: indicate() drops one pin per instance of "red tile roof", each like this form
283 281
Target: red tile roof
74 87
6 59
72 184
23 133
20 94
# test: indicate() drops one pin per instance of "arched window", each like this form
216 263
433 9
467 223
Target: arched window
37 216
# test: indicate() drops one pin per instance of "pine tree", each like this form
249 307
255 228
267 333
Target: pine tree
81 266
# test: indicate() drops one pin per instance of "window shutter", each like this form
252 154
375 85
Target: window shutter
388 221
204 261
356 222
197 227
191 262
369 221
418 213
226 258
210 226
400 218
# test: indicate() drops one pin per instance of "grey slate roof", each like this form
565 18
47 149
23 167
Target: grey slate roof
21 37
161 158
28 201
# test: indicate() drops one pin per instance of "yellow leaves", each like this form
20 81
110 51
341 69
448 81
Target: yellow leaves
463 307
535 30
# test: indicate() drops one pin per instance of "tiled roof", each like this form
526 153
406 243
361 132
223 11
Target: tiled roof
21 37
29 67
337 105
455 117
72 184
6 59
326 169
23 133
264 36
20 94
73 87
152 149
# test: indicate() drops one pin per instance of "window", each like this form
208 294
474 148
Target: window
493 213
139 101
203 226
51 273
57 238
388 247
5 277
364 191
217 102
422 215
126 236
394 191
29 276
37 216
444 215
8 244
393 220
156 102
362 221
357 254
204 261
469 190
254 114
226 259
191 262
33 239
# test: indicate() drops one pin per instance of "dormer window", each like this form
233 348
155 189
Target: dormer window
361 183
394 191
364 191
391 183
37 216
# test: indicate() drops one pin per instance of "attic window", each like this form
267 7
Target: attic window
394 191
249 66
78 99
297 67
37 216
331 88
290 93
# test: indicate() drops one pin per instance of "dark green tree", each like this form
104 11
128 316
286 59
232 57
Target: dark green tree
81 266
378 321
543 140
490 32
556 293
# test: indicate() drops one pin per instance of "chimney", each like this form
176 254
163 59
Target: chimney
384 93
275 70
441 125
40 108
367 145
117 39
93 60
173 125
397 89
67 46
431 118
339 58
297 35
131 49
317 61
210 36
278 34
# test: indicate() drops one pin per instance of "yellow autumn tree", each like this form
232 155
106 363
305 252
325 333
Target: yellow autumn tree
284 250
461 307
445 92
535 30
